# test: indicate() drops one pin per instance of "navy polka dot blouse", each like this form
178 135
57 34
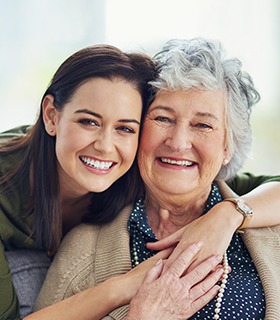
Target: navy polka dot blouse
243 297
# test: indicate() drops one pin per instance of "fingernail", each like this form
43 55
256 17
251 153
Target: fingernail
199 244
220 271
219 257
158 262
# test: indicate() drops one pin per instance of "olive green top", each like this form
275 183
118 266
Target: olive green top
15 227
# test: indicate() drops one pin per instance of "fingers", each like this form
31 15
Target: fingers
164 254
181 264
203 300
169 241
154 273
202 270
220 266
174 255
204 286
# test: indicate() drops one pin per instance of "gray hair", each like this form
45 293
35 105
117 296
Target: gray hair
201 64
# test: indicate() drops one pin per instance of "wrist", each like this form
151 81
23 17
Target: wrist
233 217
116 293
244 209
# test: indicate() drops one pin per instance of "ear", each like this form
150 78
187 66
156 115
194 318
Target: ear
227 157
49 114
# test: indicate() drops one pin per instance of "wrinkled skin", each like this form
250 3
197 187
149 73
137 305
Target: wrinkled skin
172 294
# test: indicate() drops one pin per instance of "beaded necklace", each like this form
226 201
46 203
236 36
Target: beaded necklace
222 287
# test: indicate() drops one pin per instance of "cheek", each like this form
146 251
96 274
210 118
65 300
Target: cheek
152 136
212 154
67 142
128 150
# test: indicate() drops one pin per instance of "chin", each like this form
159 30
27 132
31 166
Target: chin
100 189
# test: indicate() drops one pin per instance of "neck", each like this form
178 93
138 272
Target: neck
166 218
73 210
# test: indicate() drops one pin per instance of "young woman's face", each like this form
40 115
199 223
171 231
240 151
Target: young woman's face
97 135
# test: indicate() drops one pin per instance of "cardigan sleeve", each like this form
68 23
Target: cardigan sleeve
246 182
87 256
73 268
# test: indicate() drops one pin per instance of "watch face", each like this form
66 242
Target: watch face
245 206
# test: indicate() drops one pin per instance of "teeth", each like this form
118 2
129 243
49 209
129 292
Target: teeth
101 165
178 163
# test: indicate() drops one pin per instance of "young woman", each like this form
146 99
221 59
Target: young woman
85 139
75 164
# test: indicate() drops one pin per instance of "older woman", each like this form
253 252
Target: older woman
196 132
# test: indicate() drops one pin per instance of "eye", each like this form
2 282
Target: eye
89 122
162 119
126 129
203 125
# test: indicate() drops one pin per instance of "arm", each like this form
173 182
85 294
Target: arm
210 228
262 193
9 306
96 302
172 294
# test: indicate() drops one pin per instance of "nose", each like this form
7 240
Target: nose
104 142
180 138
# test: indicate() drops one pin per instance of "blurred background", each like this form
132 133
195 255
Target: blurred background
36 36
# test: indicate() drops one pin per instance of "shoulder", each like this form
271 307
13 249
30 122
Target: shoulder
245 182
9 159
11 134
71 266
87 256
15 132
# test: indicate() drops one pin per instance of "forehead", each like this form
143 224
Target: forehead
190 101
107 97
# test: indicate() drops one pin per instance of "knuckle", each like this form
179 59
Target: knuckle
198 274
203 288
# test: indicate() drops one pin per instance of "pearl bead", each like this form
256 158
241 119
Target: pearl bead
222 288
135 254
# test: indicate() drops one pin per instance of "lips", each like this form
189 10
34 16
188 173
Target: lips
100 165
182 163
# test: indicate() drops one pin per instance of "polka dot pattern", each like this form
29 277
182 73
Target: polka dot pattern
243 297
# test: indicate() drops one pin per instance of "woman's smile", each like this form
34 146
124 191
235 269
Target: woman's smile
102 166
175 164
97 135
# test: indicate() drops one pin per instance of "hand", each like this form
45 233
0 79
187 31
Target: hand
214 229
132 280
172 295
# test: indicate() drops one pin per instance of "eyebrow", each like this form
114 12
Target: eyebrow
89 112
207 115
162 108
100 117
200 114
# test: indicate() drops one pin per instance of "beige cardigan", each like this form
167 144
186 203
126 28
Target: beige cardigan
90 254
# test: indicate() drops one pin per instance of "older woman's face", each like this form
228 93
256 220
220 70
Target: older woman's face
182 145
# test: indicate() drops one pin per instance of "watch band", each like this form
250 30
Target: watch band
245 209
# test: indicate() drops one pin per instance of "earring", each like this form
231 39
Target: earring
225 161
51 131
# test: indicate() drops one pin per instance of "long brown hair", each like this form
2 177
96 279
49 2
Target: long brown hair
39 147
